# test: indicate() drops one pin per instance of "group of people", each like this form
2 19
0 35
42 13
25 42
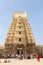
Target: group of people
22 56
37 57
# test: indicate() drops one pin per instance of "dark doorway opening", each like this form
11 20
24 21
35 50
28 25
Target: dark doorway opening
19 51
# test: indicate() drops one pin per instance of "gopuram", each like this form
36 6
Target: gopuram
19 39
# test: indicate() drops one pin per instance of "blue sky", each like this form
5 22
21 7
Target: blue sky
34 9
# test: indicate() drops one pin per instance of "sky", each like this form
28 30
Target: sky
34 10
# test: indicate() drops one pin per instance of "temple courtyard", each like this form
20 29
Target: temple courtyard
21 62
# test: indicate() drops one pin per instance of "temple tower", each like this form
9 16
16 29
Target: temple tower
19 37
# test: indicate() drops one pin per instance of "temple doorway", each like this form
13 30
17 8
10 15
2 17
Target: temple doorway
19 51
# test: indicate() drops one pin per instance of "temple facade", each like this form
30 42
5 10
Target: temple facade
20 39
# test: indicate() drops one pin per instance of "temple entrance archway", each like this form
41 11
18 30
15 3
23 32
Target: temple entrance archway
19 51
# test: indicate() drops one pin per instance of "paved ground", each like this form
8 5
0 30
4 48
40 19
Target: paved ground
21 62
